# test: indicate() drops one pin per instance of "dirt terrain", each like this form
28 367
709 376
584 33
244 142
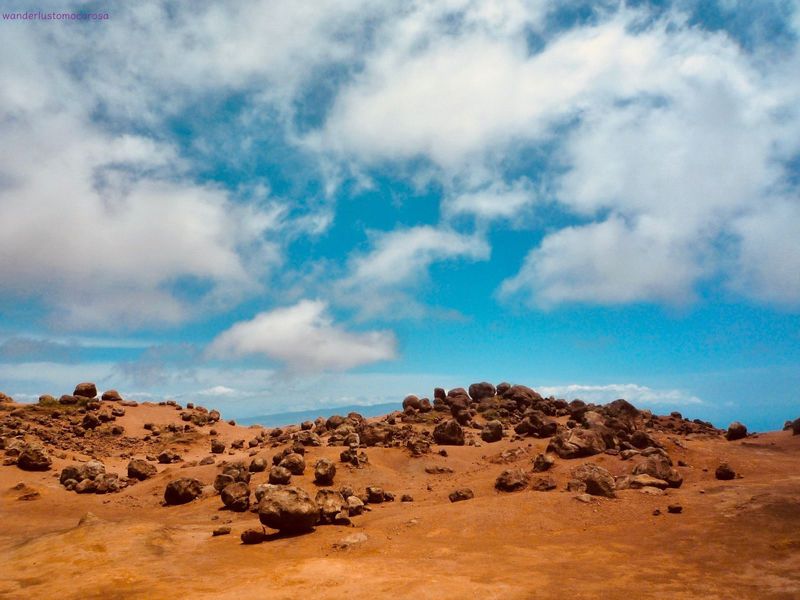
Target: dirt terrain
733 538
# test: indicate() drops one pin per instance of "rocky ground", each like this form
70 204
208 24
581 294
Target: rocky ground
482 493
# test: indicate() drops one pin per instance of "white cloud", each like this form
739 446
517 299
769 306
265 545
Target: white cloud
639 395
305 338
678 132
608 262
382 280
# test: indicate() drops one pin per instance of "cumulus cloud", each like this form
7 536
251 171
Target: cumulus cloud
305 338
663 139
383 279
640 396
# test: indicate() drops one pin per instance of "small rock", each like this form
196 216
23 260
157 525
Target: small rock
724 472
223 530
675 509
461 494
253 536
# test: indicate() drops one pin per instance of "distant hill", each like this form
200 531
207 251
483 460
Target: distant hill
291 418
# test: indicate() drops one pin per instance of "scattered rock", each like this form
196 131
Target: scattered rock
324 472
543 484
449 433
512 480
294 463
236 496
183 490
223 530
675 509
461 494
543 462
724 472
352 540
252 536
331 504
492 431
141 469
217 446
279 475
598 481
34 458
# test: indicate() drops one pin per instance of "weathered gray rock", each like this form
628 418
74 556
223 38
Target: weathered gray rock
236 496
324 472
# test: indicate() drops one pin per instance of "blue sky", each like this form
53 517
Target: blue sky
276 206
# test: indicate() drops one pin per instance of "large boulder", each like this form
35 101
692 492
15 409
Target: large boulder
576 443
522 395
288 509
736 431
141 469
659 466
479 391
236 496
111 396
597 480
34 458
448 433
85 390
512 480
411 401
183 490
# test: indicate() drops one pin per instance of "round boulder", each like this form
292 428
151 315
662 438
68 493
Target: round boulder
288 509
736 431
492 432
324 471
512 480
34 458
183 490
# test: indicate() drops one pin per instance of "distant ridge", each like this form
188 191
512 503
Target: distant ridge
291 418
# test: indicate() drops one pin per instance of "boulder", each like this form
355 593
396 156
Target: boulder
543 462
258 465
34 458
308 438
375 494
85 390
724 472
288 509
512 480
736 431
111 396
294 463
597 480
141 469
660 467
279 475
492 431
236 496
645 480
461 494
355 506
448 433
411 401
324 471
331 505
576 443
183 490
479 391
217 446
